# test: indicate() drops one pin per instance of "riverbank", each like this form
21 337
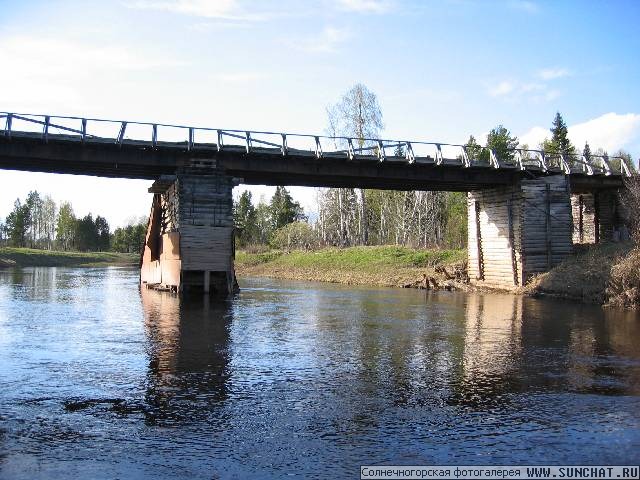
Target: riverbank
387 266
29 257
605 274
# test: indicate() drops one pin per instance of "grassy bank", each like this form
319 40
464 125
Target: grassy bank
28 257
384 266
606 274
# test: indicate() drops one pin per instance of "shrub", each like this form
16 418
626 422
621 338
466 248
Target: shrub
295 236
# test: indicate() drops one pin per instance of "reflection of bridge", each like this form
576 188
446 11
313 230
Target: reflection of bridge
520 214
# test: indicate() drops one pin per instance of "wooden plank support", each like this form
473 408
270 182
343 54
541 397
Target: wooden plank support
479 242
512 249
548 224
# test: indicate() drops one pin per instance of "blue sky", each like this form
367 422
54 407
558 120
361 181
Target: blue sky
441 71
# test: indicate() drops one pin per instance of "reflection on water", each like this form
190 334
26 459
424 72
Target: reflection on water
102 380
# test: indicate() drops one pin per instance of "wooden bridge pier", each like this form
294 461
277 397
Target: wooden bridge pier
518 231
189 245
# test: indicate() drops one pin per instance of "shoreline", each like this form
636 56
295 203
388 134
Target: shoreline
11 257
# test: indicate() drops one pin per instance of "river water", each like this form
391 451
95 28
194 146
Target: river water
101 380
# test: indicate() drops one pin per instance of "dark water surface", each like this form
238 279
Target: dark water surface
100 380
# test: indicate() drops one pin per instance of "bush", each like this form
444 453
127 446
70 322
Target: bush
624 282
295 236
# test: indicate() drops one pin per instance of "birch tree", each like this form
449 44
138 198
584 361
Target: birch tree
357 115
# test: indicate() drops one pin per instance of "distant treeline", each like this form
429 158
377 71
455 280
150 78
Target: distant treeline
38 222
418 219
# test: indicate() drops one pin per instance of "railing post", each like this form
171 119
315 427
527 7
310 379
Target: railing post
586 166
493 158
318 148
350 153
543 161
465 157
564 164
154 135
381 155
519 161
411 158
83 129
606 164
439 158
190 141
248 141
7 126
45 129
123 127
284 148
219 145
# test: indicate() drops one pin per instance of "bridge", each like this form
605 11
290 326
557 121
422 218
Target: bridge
526 207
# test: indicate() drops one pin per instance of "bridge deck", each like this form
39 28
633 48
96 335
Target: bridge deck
278 159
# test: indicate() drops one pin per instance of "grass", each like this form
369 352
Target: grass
384 265
29 257
586 275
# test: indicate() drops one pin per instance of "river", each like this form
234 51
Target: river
102 380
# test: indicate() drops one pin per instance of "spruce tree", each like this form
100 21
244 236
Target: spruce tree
560 142
586 151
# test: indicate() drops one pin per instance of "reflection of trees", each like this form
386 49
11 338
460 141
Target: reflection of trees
188 356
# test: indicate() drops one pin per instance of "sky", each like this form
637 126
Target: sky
441 70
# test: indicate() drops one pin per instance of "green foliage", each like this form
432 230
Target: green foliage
295 236
455 235
129 239
17 224
283 209
559 137
245 219
66 227
500 140
475 152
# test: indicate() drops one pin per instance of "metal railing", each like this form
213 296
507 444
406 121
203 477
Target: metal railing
159 135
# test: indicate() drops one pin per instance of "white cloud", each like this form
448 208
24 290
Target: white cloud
501 89
218 9
326 42
553 73
610 131
366 6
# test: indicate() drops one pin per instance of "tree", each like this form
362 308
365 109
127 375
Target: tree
502 143
49 219
35 205
357 115
559 142
474 150
283 209
17 224
586 151
66 227
244 216
102 234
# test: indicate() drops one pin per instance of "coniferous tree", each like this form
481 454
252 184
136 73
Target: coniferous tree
559 142
244 216
586 151
284 209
